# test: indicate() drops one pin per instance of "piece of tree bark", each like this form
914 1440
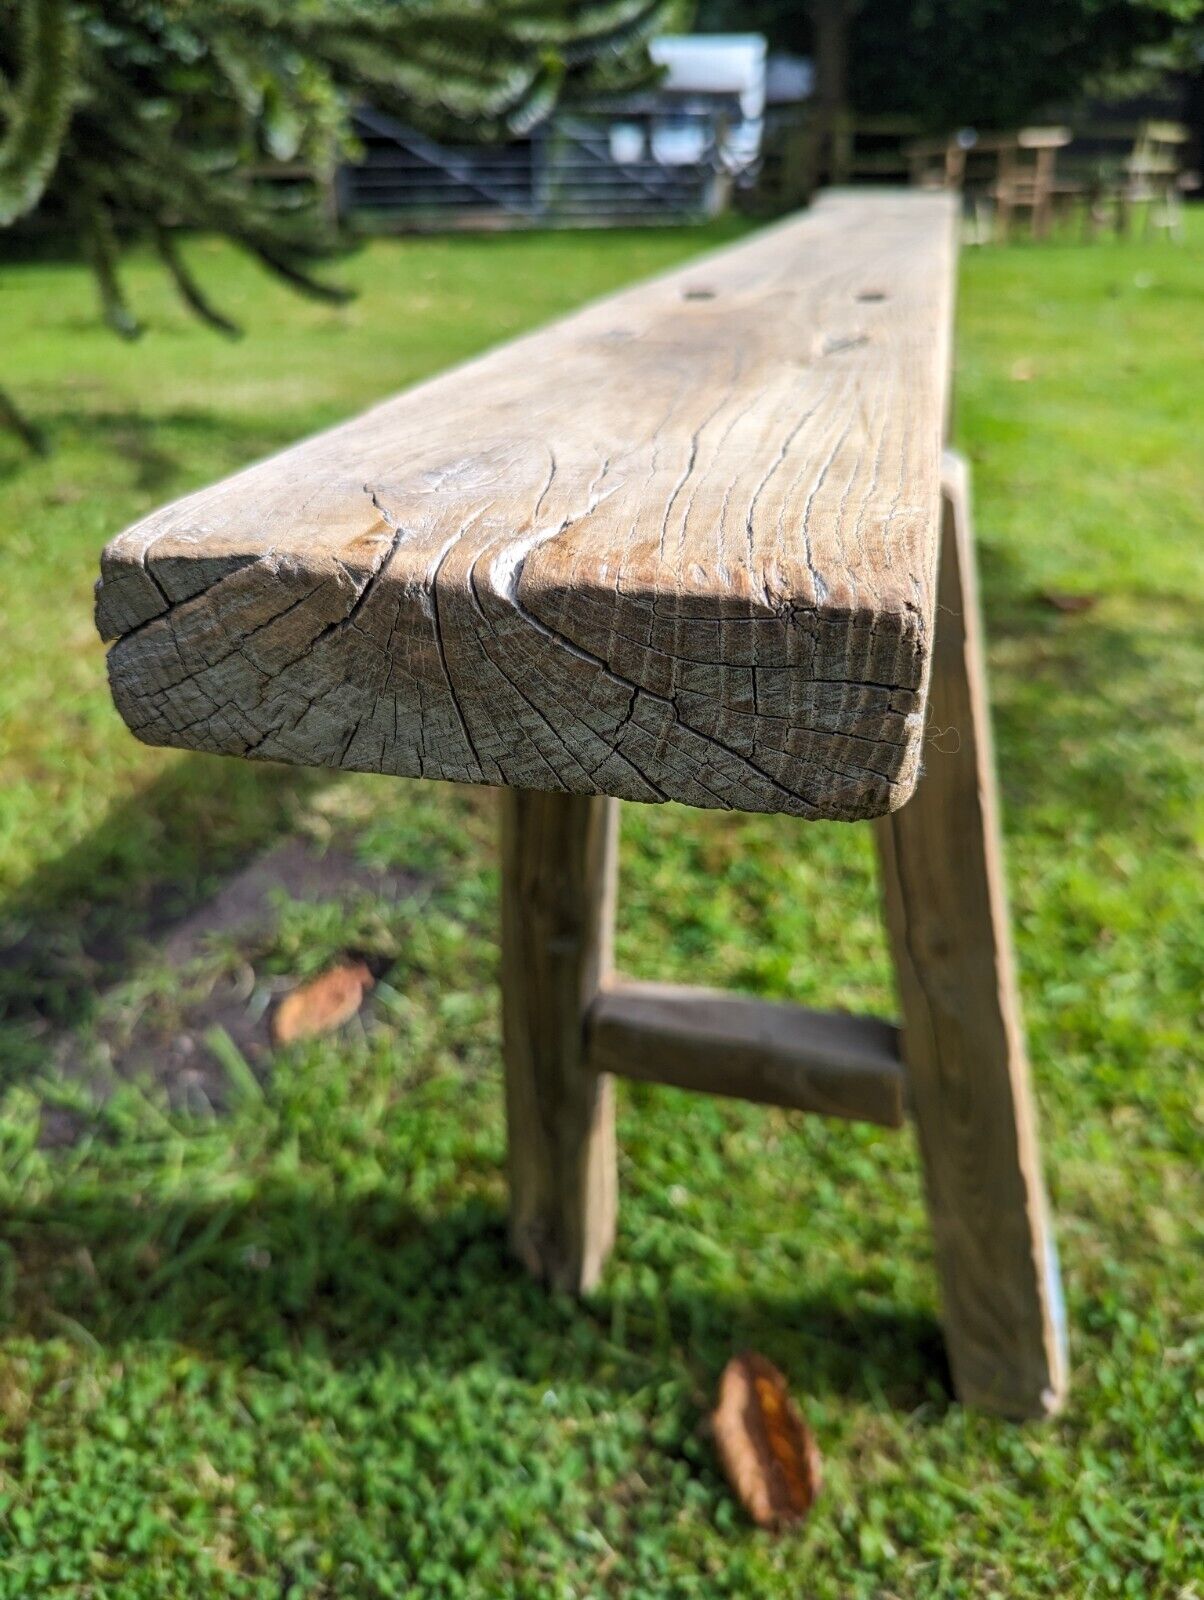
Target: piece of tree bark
769 1454
322 1004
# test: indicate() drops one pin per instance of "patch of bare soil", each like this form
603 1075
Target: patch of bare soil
176 1056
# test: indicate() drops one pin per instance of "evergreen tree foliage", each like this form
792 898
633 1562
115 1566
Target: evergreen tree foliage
1000 65
955 63
128 119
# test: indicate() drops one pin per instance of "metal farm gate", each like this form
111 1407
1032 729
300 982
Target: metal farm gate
642 162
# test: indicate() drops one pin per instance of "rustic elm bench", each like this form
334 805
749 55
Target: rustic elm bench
697 542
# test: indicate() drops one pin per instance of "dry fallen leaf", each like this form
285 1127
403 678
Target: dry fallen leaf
768 1452
326 1002
1059 601
1022 371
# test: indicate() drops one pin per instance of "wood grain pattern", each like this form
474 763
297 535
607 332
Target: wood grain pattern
681 545
558 887
963 1042
702 1039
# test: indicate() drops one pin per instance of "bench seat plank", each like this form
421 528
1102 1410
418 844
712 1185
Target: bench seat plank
680 545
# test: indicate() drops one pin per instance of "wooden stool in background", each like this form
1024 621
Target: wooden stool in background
698 542
1153 175
1028 180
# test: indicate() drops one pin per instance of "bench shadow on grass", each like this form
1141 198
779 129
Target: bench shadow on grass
153 445
77 924
365 1280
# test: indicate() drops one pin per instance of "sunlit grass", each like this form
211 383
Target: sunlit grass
268 1341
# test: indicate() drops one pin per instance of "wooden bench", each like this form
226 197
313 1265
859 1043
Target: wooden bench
697 542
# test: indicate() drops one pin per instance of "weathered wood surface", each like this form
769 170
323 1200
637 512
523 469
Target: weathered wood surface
558 888
963 1042
681 545
702 1039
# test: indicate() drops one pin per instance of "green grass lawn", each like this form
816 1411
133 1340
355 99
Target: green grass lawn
260 1333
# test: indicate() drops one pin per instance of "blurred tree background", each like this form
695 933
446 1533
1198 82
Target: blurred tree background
948 63
953 63
124 120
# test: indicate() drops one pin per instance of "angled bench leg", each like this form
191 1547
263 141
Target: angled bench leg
963 1042
558 870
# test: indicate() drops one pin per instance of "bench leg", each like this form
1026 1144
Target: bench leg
558 871
963 1042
